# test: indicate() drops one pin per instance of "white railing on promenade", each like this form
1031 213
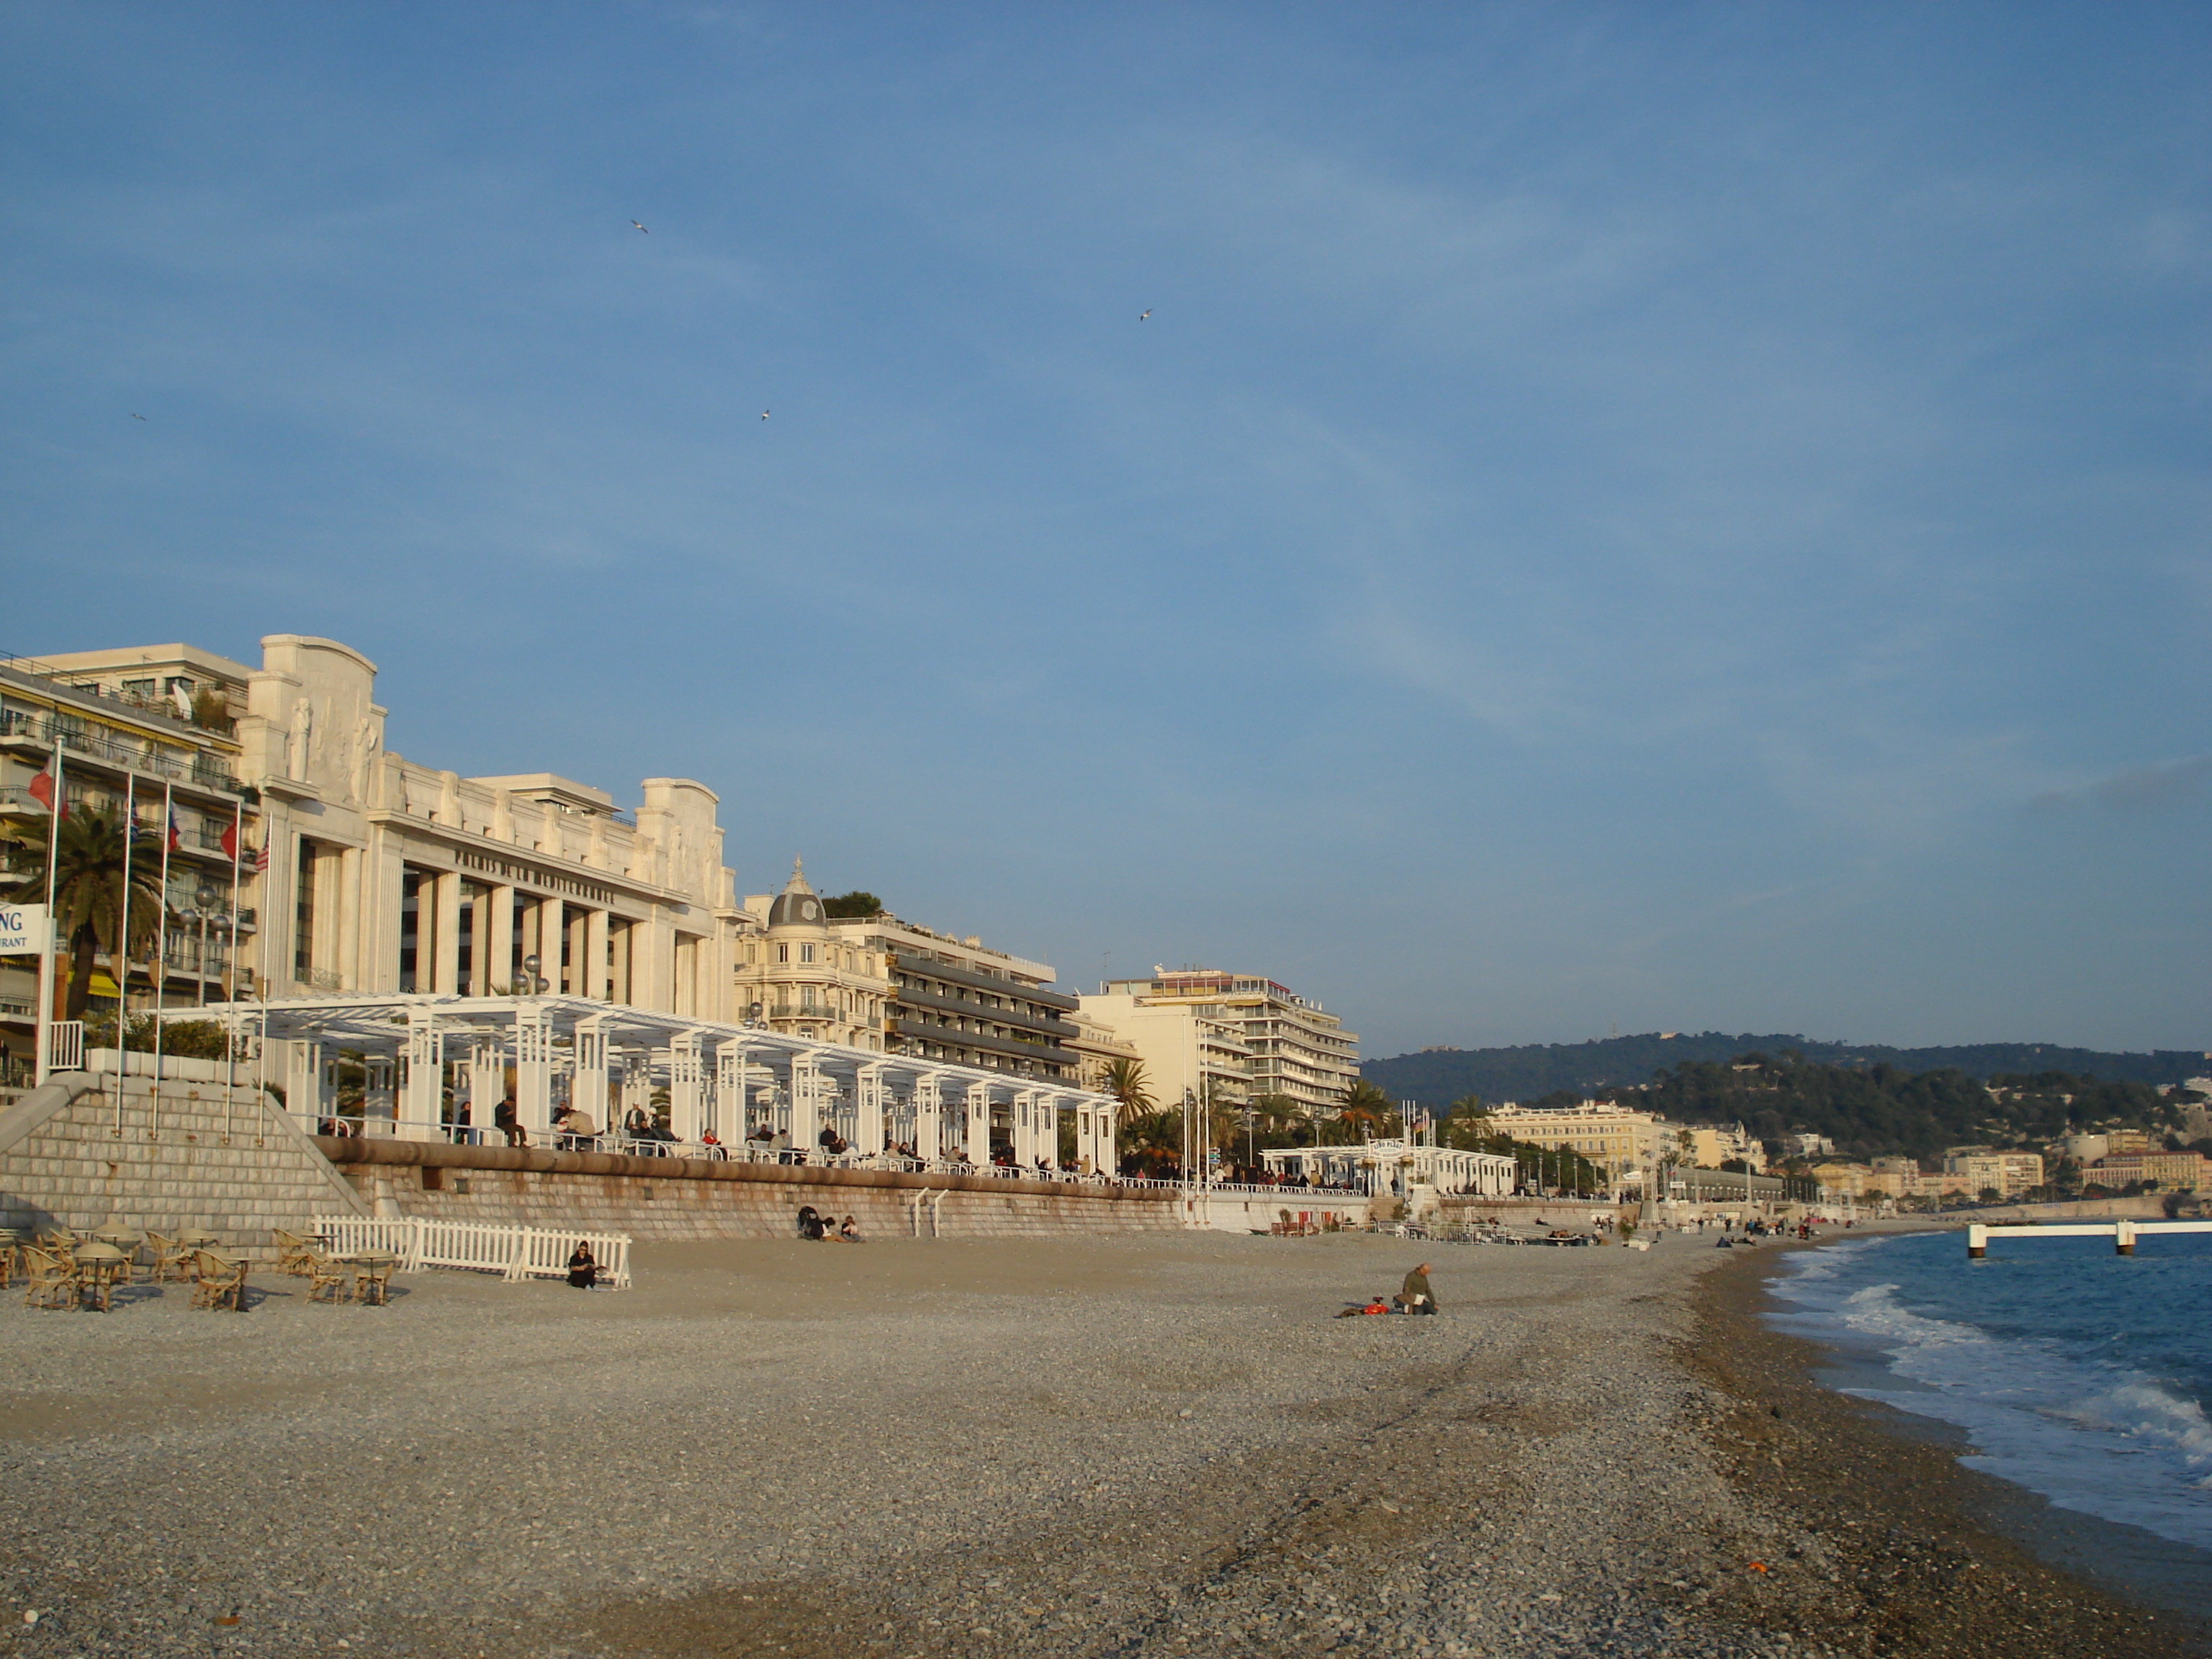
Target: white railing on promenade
749 1152
514 1253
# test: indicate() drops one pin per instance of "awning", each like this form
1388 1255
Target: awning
102 986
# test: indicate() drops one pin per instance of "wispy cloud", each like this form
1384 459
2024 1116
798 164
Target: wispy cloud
2163 788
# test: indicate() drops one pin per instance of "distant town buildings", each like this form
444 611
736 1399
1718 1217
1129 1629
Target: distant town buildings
1618 1139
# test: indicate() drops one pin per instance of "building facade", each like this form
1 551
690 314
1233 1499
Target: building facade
1184 1049
151 732
2007 1172
1619 1140
366 871
1292 1047
794 973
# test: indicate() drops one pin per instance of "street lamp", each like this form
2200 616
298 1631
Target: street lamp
531 982
203 903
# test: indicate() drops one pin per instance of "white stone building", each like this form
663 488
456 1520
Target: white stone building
1291 1047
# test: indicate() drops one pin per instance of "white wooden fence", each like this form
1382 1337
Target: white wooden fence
514 1253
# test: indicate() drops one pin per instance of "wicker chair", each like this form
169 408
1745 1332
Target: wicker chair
52 1278
217 1281
292 1253
327 1281
172 1260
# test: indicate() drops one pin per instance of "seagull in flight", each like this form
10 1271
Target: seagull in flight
1145 313
641 227
135 416
763 414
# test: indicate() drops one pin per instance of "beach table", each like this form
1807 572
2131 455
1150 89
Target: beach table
123 1240
372 1275
198 1239
99 1266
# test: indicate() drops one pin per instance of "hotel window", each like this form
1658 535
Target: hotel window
783 953
806 953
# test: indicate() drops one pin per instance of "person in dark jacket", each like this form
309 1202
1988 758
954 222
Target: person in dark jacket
583 1267
1415 1297
810 1223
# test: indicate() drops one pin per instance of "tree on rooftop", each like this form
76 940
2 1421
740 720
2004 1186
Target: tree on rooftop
857 904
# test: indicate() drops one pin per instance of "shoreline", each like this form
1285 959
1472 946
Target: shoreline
1922 1561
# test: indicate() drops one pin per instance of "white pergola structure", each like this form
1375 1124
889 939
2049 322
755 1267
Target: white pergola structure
1378 1167
603 1058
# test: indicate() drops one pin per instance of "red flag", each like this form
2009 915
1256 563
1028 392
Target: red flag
261 859
175 833
230 839
42 788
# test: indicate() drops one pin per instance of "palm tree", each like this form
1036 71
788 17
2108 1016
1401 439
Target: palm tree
1126 1082
1365 1108
88 892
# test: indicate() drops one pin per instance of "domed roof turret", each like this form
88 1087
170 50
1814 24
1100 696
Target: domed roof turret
797 905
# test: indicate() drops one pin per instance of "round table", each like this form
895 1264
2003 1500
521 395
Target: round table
365 1265
98 1265
198 1241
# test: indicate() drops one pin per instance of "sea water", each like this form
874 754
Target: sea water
2075 1372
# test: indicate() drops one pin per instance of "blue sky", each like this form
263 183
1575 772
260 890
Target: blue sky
1643 516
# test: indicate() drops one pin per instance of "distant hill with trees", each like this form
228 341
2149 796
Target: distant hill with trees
1527 1073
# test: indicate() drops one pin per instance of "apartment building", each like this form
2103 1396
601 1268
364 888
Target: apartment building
2009 1172
2175 1171
1293 1047
151 732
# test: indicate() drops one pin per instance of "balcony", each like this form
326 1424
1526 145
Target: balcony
1042 1025
40 733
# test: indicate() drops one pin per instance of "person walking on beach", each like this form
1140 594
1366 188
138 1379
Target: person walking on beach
1415 1297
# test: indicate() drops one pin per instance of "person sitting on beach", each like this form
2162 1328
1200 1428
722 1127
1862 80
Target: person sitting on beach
809 1223
761 1133
1415 1297
583 1267
850 1232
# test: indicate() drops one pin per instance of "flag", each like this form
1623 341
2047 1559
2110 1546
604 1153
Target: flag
230 840
175 833
261 860
42 788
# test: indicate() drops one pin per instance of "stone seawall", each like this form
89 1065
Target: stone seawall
686 1198
85 1151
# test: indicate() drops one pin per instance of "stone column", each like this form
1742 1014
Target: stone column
495 941
446 971
303 1084
552 936
732 1078
594 981
487 1085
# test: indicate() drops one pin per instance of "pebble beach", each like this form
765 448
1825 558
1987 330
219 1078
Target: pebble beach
1123 1446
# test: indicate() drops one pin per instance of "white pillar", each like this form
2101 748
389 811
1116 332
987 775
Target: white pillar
423 1072
533 1070
1024 1129
979 1123
732 1081
687 1102
487 1084
303 1084
806 1103
868 1127
928 1124
589 1092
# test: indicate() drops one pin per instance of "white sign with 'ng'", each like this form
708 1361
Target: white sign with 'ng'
22 929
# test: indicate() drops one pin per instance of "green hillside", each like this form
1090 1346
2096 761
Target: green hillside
1530 1070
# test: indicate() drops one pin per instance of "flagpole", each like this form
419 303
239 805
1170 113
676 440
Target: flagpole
121 958
160 973
45 1038
230 966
